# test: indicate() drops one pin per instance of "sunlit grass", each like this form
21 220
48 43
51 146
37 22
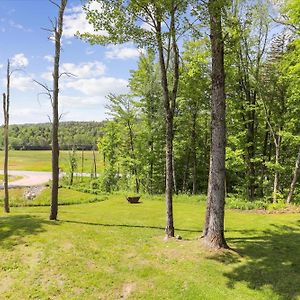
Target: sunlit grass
41 160
113 250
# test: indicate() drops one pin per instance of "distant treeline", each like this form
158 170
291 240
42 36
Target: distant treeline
72 135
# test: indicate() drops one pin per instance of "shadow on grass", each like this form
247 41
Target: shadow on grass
272 261
125 225
14 228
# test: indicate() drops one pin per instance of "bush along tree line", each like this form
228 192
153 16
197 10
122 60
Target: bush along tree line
72 135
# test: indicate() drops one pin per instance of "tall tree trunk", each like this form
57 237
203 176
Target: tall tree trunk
6 103
169 105
214 227
55 122
276 175
294 180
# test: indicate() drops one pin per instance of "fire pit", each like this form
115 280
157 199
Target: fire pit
134 199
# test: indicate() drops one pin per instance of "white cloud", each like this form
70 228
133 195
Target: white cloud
75 20
122 52
67 101
99 87
1 66
49 58
22 83
85 69
81 70
19 60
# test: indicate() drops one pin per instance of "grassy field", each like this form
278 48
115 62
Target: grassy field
10 178
41 160
115 250
66 197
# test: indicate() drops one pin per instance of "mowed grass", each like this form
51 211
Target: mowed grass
116 250
41 160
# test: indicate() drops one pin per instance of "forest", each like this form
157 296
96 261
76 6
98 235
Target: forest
262 111
72 135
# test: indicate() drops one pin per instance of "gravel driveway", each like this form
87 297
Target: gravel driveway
29 178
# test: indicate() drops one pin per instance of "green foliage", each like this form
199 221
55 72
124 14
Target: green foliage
72 135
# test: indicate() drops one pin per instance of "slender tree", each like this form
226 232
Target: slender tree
214 224
57 31
6 103
122 21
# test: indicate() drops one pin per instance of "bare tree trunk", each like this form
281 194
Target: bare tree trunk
294 181
6 103
55 122
214 227
276 175
169 105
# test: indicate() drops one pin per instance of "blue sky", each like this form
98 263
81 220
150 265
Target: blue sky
99 70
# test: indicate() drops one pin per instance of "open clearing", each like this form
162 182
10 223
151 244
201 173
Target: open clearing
114 250
41 160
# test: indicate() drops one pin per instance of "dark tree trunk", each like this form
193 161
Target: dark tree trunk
169 97
214 225
294 180
55 122
6 103
277 143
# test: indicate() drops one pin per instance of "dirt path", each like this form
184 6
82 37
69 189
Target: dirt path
29 178
33 178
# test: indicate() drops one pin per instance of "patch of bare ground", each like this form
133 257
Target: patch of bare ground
127 289
290 209
5 284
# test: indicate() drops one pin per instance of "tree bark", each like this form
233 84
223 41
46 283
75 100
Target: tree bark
214 225
6 103
169 105
277 143
55 122
294 180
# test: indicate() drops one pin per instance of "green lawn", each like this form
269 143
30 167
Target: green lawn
115 250
41 160
66 197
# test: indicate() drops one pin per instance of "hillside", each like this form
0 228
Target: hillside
81 135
